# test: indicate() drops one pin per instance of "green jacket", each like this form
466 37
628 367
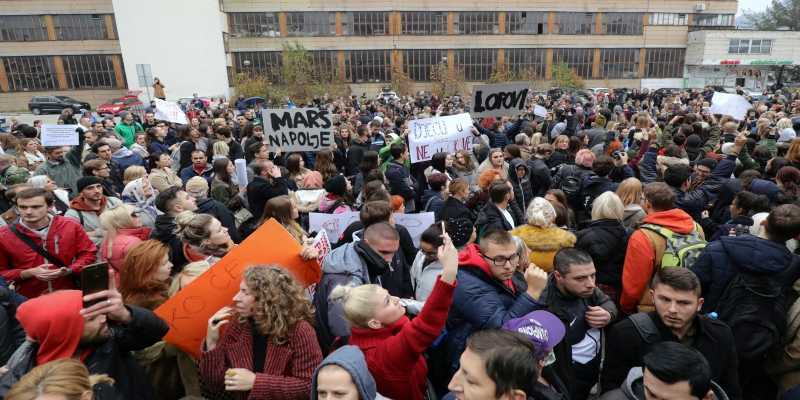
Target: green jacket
128 132
771 145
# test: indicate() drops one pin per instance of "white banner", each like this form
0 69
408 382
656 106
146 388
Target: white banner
429 136
170 111
499 100
335 224
240 172
298 129
59 135
730 104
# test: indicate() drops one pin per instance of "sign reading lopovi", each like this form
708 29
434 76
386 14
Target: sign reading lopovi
298 129
499 100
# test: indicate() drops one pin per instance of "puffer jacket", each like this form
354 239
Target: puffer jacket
544 243
606 240
523 191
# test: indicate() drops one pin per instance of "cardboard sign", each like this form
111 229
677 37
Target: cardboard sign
187 312
322 244
59 135
499 100
539 111
415 224
333 224
429 136
730 104
298 129
170 111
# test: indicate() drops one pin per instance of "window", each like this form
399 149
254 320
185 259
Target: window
419 64
664 63
622 23
668 19
366 23
367 66
713 20
526 60
619 63
30 73
80 27
477 64
89 71
526 22
318 23
267 63
477 23
579 60
574 23
22 28
748 46
248 24
324 64
423 23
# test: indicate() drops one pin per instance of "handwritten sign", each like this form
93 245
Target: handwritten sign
335 224
59 135
322 244
170 111
187 312
298 129
730 104
499 100
415 224
429 136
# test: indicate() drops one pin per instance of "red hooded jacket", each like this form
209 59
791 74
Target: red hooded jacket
470 257
54 322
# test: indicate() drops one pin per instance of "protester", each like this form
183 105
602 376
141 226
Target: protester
89 204
60 196
267 183
172 202
162 176
338 192
606 240
343 374
630 193
202 236
123 230
140 194
198 187
199 168
541 236
66 378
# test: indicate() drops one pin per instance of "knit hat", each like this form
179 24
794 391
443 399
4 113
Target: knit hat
336 185
85 181
460 231
694 141
197 186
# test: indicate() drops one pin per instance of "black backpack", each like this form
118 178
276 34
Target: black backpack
755 306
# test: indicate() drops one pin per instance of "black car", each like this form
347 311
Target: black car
46 104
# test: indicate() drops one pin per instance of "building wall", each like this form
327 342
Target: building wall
185 51
25 7
712 47
18 101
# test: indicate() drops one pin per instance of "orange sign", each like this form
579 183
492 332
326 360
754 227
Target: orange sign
187 312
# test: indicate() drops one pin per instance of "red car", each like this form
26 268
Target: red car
117 106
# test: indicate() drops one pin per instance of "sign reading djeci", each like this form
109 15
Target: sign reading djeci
298 129
59 135
170 111
499 100
429 136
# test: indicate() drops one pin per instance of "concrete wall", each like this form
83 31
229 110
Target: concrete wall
711 47
59 48
18 101
180 39
28 7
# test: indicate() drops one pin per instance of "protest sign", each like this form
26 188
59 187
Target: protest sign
170 111
59 135
730 104
539 111
333 224
322 244
499 100
240 172
187 312
298 129
429 136
415 223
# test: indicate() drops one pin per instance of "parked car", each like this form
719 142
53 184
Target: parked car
119 105
255 102
55 104
184 101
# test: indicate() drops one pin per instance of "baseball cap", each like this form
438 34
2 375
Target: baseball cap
543 328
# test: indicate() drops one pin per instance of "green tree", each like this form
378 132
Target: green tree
446 81
779 14
565 77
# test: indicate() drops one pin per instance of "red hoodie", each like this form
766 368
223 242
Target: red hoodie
640 257
53 321
470 257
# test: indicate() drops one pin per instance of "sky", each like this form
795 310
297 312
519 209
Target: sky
753 5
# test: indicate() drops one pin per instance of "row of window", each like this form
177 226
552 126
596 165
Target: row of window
368 23
750 46
362 66
32 73
31 28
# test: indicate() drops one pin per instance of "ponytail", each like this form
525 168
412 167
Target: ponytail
358 302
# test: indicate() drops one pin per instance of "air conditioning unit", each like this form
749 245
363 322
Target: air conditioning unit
700 7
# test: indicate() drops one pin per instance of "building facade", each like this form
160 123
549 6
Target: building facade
745 58
59 48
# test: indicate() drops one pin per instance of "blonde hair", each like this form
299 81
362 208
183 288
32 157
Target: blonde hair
66 377
132 173
359 302
220 148
191 270
280 302
192 228
630 191
114 219
540 213
783 123
608 206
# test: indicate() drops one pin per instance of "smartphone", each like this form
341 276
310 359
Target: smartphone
94 278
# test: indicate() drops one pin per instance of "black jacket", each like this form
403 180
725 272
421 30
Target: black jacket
523 193
560 157
222 213
164 232
355 155
592 187
113 357
491 218
606 241
260 190
456 209
399 181
540 176
712 338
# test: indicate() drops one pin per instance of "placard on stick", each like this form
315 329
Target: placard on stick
187 312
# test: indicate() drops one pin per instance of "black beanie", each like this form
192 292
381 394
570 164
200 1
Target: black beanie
88 181
336 185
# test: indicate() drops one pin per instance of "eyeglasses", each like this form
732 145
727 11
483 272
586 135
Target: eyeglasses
500 261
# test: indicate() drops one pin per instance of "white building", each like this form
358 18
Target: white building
744 58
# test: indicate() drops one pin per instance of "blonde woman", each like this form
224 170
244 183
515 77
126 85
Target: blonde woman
65 379
123 230
29 148
269 349
203 236
495 161
132 173
631 195
541 235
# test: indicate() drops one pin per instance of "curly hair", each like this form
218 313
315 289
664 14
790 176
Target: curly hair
280 302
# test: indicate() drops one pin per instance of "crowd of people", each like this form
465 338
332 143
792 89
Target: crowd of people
626 245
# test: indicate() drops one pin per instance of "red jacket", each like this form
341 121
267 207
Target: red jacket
394 353
287 371
640 257
66 240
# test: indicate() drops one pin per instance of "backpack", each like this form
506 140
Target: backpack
571 184
755 306
680 250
